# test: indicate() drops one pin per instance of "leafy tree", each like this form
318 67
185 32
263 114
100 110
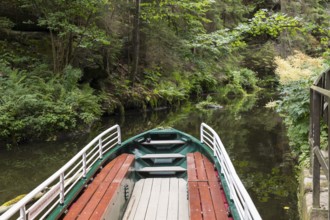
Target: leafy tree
273 24
72 25
140 54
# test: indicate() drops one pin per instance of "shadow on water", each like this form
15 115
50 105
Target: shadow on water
254 137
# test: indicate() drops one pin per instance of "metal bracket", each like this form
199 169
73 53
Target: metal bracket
126 192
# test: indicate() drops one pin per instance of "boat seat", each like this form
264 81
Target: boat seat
107 192
163 142
162 158
206 196
162 170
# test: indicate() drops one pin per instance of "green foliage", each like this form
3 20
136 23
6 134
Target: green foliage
260 58
186 15
72 26
151 77
240 81
220 42
294 107
208 103
40 107
225 41
318 18
170 92
71 77
6 23
186 48
274 24
15 55
294 103
203 82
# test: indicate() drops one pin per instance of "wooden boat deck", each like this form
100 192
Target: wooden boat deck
201 197
158 198
207 199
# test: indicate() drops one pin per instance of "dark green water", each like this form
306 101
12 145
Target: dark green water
253 136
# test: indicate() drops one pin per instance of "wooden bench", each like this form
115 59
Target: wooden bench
206 196
106 194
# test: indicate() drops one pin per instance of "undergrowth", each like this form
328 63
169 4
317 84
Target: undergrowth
296 75
34 106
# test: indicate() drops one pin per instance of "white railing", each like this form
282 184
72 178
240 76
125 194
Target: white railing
61 182
242 200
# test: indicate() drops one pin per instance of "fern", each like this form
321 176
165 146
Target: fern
33 106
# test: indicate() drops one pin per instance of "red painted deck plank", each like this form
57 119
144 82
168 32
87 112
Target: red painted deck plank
194 201
191 168
96 198
209 168
201 174
210 200
220 205
114 187
78 206
207 204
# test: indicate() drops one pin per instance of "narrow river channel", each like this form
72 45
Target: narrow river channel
254 137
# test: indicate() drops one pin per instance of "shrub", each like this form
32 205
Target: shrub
203 82
296 75
240 82
170 92
33 107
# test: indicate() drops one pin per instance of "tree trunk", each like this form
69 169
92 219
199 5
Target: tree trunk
285 41
136 42
52 37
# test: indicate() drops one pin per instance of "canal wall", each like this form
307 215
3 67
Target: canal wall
305 198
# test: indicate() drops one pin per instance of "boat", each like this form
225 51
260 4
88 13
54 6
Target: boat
162 173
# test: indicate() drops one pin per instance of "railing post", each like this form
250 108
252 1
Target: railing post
84 165
214 146
119 135
62 188
316 143
201 130
326 99
22 213
310 135
100 149
328 113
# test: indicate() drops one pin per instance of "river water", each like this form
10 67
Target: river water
254 137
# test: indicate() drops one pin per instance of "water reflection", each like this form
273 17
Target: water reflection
257 144
253 135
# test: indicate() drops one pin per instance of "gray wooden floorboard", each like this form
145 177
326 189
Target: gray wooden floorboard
154 199
158 199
